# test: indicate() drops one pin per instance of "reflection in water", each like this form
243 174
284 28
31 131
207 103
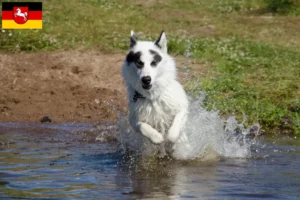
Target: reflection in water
172 179
65 161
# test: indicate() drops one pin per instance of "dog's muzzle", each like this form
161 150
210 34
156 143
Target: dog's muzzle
146 82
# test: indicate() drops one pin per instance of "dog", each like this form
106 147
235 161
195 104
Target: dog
158 104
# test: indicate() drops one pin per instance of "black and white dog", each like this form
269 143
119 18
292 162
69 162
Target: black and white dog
157 101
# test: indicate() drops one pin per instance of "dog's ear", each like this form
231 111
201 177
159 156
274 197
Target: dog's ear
133 39
161 42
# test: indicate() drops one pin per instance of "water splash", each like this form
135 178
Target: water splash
207 136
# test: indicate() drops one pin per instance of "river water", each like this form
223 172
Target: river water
83 161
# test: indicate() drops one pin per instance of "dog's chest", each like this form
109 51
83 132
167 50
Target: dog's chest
159 113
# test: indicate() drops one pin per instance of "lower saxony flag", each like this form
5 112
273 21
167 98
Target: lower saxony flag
22 15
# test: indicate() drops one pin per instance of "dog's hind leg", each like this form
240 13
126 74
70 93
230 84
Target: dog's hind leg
150 133
162 150
162 147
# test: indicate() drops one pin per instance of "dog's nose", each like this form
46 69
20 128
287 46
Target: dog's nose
146 80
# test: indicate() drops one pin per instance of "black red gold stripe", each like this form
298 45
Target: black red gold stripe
34 20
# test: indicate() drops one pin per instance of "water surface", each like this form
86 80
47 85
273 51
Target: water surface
79 161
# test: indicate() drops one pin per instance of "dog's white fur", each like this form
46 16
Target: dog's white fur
162 113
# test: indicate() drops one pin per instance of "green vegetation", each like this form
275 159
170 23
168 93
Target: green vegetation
283 6
250 46
258 80
287 7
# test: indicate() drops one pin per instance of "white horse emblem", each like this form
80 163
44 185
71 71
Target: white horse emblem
20 14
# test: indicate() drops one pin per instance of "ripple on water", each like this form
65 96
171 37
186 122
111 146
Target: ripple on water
69 163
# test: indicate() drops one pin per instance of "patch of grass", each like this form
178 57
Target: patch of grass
229 6
287 7
258 80
106 24
68 25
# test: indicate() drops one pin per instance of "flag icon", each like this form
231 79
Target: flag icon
22 15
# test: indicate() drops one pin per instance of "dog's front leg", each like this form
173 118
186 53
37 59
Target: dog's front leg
177 125
150 133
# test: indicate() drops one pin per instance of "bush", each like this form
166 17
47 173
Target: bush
281 6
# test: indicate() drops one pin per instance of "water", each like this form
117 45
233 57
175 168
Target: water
82 161
206 137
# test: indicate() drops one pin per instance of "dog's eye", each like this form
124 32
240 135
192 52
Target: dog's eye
139 64
153 63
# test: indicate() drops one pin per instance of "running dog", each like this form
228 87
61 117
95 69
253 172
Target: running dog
158 104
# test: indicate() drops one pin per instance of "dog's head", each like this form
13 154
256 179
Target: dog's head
145 60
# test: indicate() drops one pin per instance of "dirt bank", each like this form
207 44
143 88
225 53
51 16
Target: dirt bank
66 86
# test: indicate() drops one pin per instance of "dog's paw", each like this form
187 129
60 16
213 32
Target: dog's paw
157 138
150 133
173 135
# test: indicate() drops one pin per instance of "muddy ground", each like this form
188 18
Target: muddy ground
70 86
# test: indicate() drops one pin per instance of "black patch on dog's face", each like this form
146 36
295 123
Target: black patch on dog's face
135 58
156 58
